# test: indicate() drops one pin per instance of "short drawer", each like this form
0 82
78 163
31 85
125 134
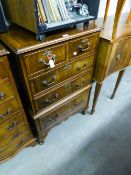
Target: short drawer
60 93
11 124
8 108
4 68
83 64
120 58
64 112
6 92
37 61
17 133
83 45
11 149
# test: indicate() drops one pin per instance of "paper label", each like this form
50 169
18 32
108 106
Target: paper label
75 53
66 35
51 63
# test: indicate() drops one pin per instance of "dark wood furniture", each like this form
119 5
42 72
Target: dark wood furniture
54 94
114 52
15 133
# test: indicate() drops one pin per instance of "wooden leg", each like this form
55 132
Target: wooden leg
121 73
87 106
97 92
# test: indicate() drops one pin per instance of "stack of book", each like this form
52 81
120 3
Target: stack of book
52 11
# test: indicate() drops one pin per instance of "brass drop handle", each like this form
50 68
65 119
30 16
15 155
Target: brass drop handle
55 96
2 116
12 126
2 95
15 136
52 118
50 56
67 66
20 143
84 82
77 86
118 57
45 82
78 104
84 46
81 68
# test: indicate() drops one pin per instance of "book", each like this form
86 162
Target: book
52 10
61 9
56 11
46 8
41 11
64 9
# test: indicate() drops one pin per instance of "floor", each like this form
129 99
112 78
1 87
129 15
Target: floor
84 145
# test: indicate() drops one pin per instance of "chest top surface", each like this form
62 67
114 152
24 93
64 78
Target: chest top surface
123 29
21 41
3 51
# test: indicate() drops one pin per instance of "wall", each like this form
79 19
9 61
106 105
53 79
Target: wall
112 8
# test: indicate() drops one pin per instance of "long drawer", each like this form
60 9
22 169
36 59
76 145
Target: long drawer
11 124
50 79
8 108
17 133
61 92
6 92
58 115
15 146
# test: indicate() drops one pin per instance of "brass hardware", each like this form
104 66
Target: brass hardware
20 143
2 95
84 46
50 56
2 116
45 82
15 136
118 57
81 68
55 96
78 104
11 127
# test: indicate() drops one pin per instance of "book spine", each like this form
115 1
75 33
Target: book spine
65 9
52 10
54 3
62 11
41 10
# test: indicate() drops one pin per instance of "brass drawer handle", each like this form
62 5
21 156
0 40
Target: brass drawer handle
50 56
53 118
81 68
84 46
45 82
15 136
78 104
55 96
68 66
12 126
2 95
118 57
9 111
20 143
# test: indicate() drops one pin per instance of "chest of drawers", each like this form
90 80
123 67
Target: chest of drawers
15 133
54 94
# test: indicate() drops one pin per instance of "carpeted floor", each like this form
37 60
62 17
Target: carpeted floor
85 145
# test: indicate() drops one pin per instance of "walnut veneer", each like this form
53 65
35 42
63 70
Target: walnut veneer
15 133
114 51
54 94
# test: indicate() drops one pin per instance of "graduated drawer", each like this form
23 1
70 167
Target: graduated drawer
11 124
6 92
83 45
17 133
8 108
4 68
12 148
121 55
63 112
50 79
37 61
61 92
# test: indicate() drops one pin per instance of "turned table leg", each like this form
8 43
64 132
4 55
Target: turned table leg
97 92
121 73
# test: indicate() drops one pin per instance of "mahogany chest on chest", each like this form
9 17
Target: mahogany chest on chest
15 133
51 95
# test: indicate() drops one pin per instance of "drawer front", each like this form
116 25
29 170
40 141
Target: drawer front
62 92
6 92
120 59
4 66
38 61
15 146
63 112
8 108
11 124
83 64
17 133
48 80
83 45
